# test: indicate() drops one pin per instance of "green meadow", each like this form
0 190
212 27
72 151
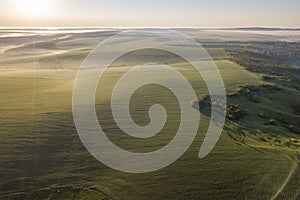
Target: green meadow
42 157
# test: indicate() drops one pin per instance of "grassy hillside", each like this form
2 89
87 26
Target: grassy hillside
40 147
58 193
42 157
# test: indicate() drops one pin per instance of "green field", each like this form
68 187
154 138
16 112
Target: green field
42 157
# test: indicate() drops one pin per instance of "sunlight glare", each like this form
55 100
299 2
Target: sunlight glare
33 8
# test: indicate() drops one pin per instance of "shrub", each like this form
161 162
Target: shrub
278 140
234 112
263 139
294 129
296 109
261 114
272 88
271 122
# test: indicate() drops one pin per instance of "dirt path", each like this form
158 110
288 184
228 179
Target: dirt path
290 175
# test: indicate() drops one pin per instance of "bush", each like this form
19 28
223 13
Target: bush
294 129
271 122
234 112
272 88
261 114
278 140
263 139
296 109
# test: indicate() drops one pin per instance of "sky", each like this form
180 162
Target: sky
150 13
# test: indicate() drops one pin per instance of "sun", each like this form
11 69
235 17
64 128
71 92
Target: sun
33 8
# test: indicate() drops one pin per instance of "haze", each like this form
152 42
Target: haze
142 13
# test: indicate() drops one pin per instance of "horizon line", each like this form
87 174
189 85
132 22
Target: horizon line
140 27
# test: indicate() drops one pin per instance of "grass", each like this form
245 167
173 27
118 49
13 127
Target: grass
262 123
42 157
40 147
58 193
